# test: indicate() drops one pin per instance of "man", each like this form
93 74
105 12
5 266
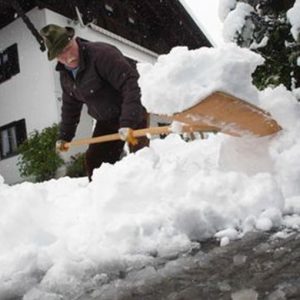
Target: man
98 75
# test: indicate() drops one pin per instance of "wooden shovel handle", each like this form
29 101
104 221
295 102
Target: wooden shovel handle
139 133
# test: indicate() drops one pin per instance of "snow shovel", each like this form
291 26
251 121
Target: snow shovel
229 115
218 112
140 133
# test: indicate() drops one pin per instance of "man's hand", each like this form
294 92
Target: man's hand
61 146
126 134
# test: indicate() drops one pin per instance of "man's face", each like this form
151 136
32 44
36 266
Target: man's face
69 56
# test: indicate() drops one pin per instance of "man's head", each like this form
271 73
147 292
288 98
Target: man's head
61 44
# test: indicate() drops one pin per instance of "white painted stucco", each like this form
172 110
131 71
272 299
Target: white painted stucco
34 94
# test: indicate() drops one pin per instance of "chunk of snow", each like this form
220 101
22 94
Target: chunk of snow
183 78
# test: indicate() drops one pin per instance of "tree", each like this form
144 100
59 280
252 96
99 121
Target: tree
267 31
38 157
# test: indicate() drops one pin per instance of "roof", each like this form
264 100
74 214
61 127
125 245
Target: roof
158 25
197 21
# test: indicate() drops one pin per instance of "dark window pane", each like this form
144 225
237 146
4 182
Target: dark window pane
9 63
11 136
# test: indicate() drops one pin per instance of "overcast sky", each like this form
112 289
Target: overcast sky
206 13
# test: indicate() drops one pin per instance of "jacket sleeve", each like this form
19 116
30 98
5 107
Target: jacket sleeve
113 67
70 116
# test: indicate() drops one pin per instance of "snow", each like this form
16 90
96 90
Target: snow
61 238
247 294
263 43
183 77
293 16
235 21
225 7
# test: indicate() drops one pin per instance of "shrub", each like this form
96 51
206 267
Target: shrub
38 158
75 168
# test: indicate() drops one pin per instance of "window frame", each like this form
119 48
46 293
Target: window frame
9 63
20 135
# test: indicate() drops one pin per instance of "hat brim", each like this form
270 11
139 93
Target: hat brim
61 43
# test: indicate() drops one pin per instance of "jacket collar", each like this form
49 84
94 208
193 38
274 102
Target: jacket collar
82 57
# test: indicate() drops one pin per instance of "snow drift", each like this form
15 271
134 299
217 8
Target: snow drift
63 237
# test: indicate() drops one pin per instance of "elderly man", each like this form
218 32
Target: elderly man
98 75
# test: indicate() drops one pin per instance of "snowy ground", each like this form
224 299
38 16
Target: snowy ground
62 237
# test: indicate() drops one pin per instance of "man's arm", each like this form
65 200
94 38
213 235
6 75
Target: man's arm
70 116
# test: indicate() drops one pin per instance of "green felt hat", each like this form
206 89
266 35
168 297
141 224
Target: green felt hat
56 38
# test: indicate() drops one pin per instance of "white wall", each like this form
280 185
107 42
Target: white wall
34 93
29 94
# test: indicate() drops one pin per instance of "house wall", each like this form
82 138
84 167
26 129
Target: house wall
29 94
34 94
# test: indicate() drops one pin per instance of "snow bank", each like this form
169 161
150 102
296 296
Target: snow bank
182 78
61 238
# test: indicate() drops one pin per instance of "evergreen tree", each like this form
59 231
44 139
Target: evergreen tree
267 31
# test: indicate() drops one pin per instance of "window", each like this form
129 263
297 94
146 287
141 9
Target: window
9 63
11 136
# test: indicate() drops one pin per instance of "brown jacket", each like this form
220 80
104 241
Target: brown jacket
106 83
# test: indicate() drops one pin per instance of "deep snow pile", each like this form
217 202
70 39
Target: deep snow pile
182 78
63 237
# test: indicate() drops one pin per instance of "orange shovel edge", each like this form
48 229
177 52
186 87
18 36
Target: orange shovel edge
140 133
